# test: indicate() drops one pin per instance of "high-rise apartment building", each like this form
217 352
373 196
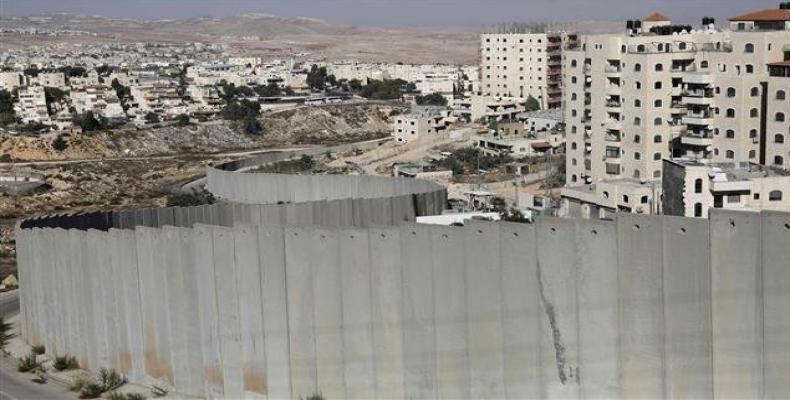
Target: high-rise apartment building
518 64
663 90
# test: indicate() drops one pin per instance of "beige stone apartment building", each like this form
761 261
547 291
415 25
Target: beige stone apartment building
664 90
692 188
514 63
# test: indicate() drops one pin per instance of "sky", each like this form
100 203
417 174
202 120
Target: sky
399 12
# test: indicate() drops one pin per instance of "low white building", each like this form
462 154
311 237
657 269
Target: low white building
160 97
605 198
692 187
11 80
521 145
50 79
99 99
487 108
31 105
419 122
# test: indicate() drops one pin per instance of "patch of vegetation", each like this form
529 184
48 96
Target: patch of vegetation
40 378
152 118
5 328
40 349
110 379
513 215
91 390
124 396
157 391
182 120
532 104
230 92
433 99
318 79
63 363
27 363
470 160
315 396
556 174
195 198
77 385
301 165
388 89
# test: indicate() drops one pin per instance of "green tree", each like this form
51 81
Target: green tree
191 199
433 99
182 120
317 77
151 118
241 110
270 90
88 122
60 144
7 115
355 84
532 104
32 71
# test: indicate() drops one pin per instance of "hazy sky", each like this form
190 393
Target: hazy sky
399 12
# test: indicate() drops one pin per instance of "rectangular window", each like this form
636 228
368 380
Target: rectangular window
733 198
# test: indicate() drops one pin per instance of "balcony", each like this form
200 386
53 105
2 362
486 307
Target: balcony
700 141
698 101
614 90
698 118
697 78
612 71
613 124
736 186
613 137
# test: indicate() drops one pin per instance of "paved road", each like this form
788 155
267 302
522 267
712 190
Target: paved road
18 386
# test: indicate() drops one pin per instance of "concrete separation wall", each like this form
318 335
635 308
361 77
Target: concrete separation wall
640 307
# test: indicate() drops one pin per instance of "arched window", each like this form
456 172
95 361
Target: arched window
573 161
636 173
573 96
779 138
637 139
698 210
749 68
573 178
752 133
657 139
703 64
573 63
605 194
730 92
754 113
656 156
657 103
573 129
730 134
623 49
640 48
659 67
698 185
637 121
657 85
749 48
730 113
775 195
780 95
755 92
660 47
752 154
682 46
778 160
658 121
637 103
638 85
730 154
573 146
637 67
780 117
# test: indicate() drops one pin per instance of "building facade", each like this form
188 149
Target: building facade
516 64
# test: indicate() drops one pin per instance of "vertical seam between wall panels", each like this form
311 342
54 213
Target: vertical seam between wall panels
372 302
281 230
711 339
403 320
761 291
577 263
662 265
502 311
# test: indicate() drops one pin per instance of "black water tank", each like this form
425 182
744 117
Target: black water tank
784 6
629 24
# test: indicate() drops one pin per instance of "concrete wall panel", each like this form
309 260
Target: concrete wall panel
640 274
228 312
521 311
776 295
737 304
301 333
208 316
419 352
449 299
356 305
484 310
271 246
386 308
597 290
687 308
248 280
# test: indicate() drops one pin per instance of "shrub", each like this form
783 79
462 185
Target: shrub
77 385
91 390
195 198
63 363
27 363
110 380
315 396
125 396
40 349
60 144
158 391
5 327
